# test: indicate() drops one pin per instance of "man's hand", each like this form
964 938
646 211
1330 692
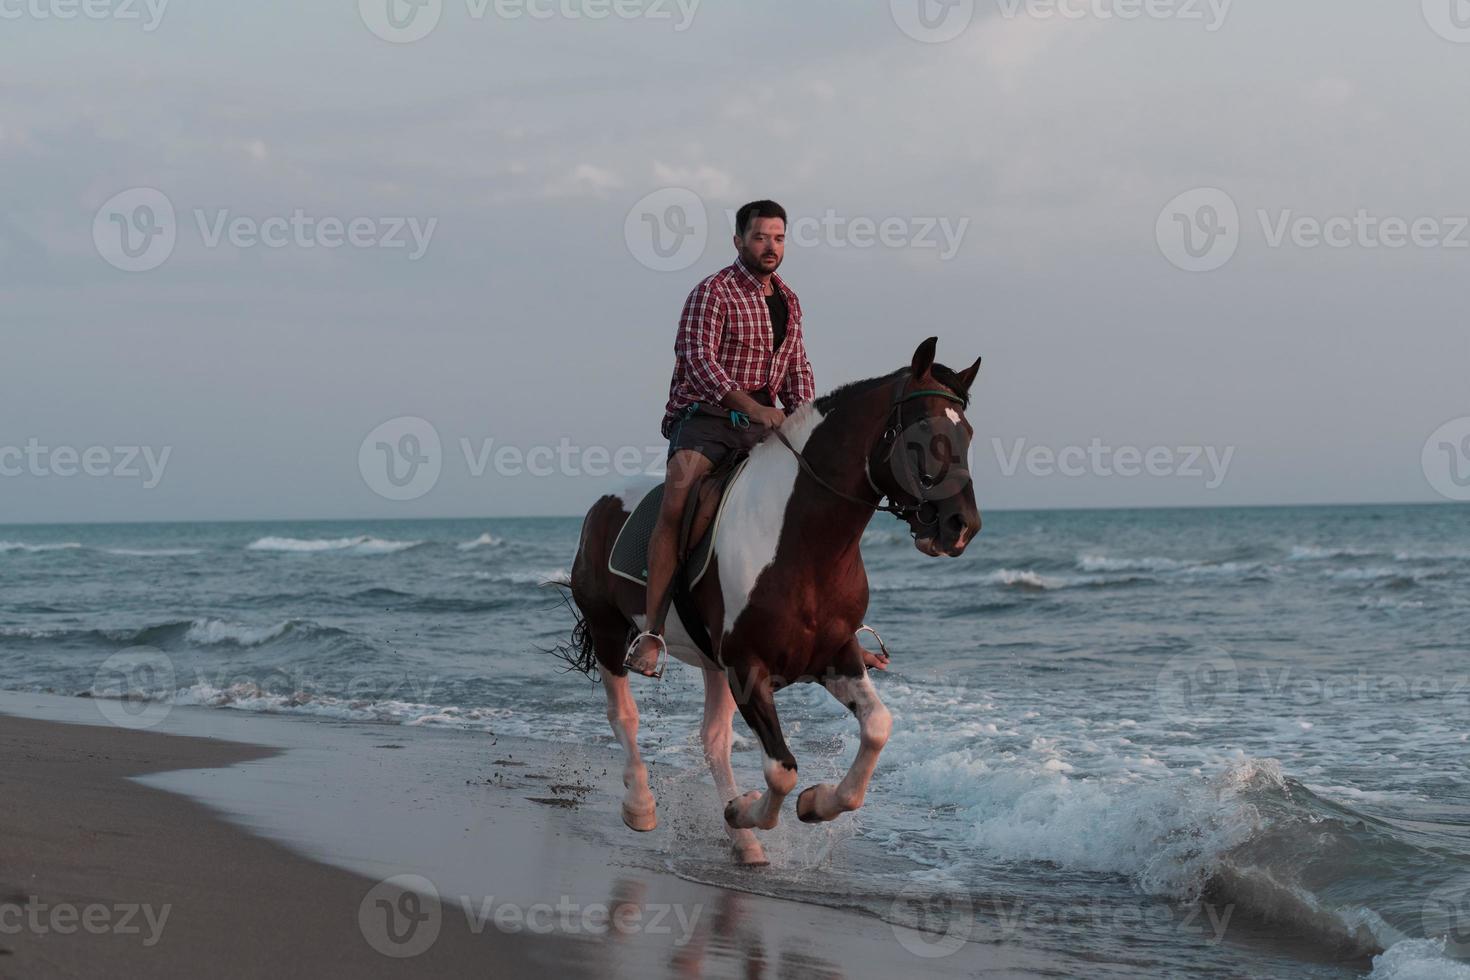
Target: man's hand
770 418
764 416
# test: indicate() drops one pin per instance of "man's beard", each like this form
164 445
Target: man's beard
756 261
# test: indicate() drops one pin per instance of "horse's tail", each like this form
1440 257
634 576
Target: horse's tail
579 653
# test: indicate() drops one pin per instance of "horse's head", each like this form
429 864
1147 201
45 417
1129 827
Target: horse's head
925 452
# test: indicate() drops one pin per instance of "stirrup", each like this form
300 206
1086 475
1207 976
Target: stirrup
865 628
663 653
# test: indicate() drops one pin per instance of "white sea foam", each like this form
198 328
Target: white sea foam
36 548
250 697
154 552
486 540
1026 580
1312 552
1418 959
1102 563
209 632
362 544
1167 834
527 577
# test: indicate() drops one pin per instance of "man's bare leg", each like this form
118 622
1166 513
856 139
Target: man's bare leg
685 468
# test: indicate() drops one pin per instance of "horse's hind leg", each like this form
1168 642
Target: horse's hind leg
622 714
715 733
825 801
756 699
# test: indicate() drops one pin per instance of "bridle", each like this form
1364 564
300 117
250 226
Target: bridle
893 428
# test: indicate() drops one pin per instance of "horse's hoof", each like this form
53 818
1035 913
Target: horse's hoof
806 806
643 821
751 855
734 807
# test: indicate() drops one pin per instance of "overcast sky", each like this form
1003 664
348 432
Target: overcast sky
1004 175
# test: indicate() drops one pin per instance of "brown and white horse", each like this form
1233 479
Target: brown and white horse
786 592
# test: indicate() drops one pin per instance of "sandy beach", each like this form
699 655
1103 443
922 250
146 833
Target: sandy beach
251 845
100 876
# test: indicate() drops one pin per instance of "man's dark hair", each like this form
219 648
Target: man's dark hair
757 209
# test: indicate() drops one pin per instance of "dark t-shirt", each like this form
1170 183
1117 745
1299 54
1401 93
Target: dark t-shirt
779 315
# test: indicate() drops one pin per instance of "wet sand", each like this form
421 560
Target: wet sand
101 876
283 847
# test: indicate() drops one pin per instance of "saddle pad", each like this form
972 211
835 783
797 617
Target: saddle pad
629 557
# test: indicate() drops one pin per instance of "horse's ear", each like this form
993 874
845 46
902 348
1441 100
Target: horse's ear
967 376
924 357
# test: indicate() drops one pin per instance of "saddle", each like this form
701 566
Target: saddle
629 558
702 513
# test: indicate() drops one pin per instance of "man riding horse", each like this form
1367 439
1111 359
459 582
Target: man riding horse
739 340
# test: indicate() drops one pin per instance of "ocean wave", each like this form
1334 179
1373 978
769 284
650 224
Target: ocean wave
217 632
186 633
1026 580
1418 959
873 538
1312 552
362 544
486 540
251 697
526 577
1246 836
153 552
38 548
1174 566
1381 577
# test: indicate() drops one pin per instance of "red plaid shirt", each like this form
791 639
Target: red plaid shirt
724 343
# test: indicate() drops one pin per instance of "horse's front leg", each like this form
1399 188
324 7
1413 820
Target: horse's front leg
622 713
754 696
825 801
715 733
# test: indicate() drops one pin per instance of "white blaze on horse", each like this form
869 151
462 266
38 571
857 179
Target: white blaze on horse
785 593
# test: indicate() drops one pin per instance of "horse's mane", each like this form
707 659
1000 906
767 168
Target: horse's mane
942 374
